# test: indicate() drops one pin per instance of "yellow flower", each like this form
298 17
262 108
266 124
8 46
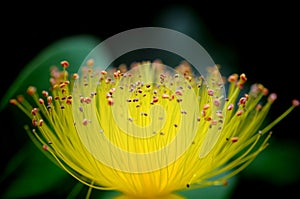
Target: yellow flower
149 131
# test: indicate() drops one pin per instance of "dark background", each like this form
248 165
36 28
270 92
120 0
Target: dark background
259 39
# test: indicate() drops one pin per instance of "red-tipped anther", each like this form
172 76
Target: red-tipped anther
165 96
206 106
64 64
75 76
69 101
243 78
110 101
232 78
41 122
258 107
242 100
103 72
20 98
34 122
240 112
210 92
45 93
85 122
34 111
178 92
234 139
41 101
265 91
272 97
13 101
217 102
295 102
230 107
31 90
49 99
45 147
155 99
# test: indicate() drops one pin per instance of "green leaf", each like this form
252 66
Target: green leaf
29 172
74 49
34 174
279 164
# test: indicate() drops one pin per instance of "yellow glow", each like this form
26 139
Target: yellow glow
149 131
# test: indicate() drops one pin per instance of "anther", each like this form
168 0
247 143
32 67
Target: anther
31 90
258 107
272 97
214 122
243 77
110 101
165 96
75 76
69 101
49 99
45 93
183 112
41 122
64 64
34 122
41 101
239 113
178 92
230 107
206 106
62 84
85 122
233 78
13 101
103 72
295 102
34 111
217 102
20 98
210 92
242 100
45 147
234 139
155 99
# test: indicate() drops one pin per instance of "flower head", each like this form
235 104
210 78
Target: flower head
149 131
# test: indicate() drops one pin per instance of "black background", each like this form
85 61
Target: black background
263 36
